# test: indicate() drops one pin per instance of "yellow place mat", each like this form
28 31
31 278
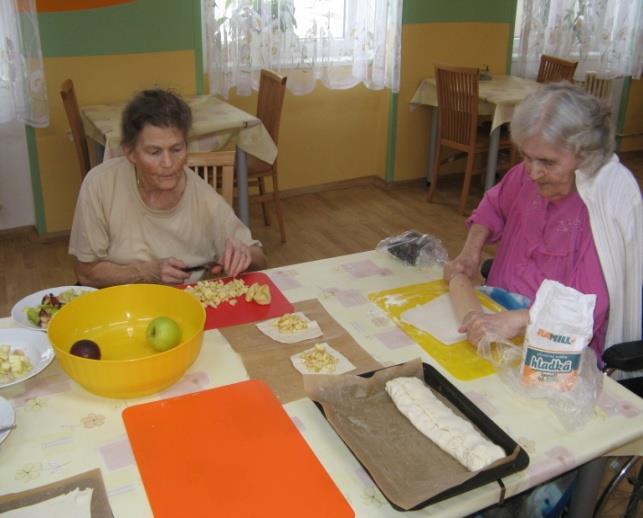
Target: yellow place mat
460 358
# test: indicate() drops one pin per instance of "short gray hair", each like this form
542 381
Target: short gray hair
567 116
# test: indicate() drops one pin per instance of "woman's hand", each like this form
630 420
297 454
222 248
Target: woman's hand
506 324
468 260
466 263
170 271
236 258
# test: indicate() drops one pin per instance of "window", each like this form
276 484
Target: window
340 42
311 12
601 35
23 92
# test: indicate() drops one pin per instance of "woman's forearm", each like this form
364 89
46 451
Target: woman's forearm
476 239
106 273
468 261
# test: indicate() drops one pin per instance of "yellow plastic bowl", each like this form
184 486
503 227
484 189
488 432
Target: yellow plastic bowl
116 319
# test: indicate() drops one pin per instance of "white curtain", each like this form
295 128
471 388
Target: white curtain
604 36
340 42
23 91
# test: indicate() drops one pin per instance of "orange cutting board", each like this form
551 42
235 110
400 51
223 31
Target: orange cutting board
229 452
243 312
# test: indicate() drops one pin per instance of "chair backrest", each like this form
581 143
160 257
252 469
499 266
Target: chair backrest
554 69
216 168
68 95
601 88
272 89
457 89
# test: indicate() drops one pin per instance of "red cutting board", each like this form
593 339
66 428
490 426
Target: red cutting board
243 312
229 452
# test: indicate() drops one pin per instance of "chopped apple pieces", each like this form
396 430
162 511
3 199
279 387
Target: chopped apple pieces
260 293
290 323
13 363
212 293
215 292
319 359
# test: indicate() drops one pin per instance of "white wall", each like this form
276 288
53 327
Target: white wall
16 199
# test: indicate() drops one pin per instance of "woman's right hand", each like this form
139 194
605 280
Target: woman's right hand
170 271
466 263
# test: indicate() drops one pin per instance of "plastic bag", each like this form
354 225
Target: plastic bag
554 361
414 248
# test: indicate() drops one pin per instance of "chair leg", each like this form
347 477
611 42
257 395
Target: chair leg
616 480
514 158
467 183
264 204
636 496
436 172
277 200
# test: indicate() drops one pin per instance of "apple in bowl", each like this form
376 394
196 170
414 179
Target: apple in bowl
163 333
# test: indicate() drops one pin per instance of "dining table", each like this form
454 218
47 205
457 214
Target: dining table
215 125
498 94
62 430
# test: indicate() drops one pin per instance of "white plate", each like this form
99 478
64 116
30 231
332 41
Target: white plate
19 314
36 347
7 417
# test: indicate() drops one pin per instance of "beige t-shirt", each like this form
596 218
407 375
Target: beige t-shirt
112 223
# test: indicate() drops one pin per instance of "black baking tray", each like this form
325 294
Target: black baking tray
441 385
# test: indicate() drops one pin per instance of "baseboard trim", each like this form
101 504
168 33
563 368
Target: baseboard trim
330 186
30 231
18 232
54 236
362 181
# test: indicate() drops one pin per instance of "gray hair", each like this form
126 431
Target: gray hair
567 116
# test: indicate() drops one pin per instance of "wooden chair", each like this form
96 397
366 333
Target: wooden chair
457 90
601 88
216 168
554 69
68 95
272 89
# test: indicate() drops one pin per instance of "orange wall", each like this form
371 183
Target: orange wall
424 45
633 122
97 79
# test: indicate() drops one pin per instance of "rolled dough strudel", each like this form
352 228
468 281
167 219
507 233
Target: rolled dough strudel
453 434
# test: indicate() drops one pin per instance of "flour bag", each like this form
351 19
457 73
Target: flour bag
561 322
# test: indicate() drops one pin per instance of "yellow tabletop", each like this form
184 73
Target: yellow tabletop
498 96
62 430
215 124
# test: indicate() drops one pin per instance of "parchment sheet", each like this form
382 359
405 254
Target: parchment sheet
91 479
406 466
269 361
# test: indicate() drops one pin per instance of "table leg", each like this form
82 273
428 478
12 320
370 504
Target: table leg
241 174
492 159
433 140
99 152
586 491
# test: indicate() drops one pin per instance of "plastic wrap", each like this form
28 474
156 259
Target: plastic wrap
414 248
563 317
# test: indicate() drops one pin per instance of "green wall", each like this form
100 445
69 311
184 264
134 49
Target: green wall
141 27
136 27
432 11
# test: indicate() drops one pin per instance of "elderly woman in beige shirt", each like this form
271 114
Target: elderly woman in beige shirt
146 217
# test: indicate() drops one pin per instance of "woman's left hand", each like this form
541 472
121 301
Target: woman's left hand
236 258
506 324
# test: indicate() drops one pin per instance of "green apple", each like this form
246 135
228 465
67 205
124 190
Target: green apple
163 333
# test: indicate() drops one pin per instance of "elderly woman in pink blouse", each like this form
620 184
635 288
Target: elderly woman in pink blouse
570 212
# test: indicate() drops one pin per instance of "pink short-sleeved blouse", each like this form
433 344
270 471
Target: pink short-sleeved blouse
542 239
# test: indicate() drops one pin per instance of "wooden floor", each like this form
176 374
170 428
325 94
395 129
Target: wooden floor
320 225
